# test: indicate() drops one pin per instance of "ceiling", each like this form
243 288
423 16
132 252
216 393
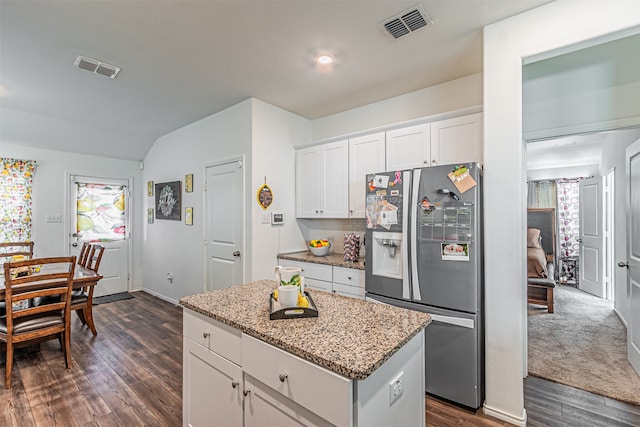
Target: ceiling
184 60
576 150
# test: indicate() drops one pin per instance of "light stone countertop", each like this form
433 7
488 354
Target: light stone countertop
351 337
333 259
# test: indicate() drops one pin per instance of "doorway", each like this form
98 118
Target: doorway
99 211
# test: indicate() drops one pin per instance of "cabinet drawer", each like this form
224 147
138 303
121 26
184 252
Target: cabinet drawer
321 391
349 291
348 276
320 285
310 270
214 335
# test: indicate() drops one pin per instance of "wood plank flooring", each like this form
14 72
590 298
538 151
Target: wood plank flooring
131 375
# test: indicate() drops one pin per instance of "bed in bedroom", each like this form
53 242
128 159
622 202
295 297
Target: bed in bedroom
541 256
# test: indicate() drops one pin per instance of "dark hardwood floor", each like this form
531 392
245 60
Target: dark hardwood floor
130 374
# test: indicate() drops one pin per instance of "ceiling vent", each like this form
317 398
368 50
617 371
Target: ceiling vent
95 66
406 22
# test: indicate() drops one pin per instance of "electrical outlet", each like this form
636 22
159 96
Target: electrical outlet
396 387
170 277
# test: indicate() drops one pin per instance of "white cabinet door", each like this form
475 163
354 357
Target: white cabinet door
457 140
265 407
334 193
308 178
409 147
322 189
212 388
366 156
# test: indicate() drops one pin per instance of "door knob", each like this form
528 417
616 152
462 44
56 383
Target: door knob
236 253
623 264
75 245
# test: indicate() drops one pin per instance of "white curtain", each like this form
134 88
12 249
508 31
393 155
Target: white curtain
542 194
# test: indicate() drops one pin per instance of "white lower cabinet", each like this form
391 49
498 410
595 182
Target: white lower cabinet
339 280
212 388
271 387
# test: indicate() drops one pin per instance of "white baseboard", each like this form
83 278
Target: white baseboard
496 413
162 297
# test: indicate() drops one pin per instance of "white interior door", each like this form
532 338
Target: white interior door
591 237
633 251
99 213
225 222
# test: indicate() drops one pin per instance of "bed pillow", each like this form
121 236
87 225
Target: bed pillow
533 238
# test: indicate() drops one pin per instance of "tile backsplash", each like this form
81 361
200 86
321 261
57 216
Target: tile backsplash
333 230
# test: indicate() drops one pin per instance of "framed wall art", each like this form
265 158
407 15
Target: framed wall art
168 200
188 183
149 188
150 216
188 216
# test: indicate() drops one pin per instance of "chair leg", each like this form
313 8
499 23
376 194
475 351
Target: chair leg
67 348
88 315
550 300
80 313
8 365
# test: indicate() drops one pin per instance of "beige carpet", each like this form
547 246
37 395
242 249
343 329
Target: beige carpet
583 344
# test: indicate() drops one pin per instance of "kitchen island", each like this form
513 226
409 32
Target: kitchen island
356 364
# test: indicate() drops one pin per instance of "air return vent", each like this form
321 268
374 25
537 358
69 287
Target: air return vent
406 22
95 66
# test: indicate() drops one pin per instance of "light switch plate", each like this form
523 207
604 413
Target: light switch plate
53 218
265 218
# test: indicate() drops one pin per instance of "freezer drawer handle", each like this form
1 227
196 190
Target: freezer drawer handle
457 321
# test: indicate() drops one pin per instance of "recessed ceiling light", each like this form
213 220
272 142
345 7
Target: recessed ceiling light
324 59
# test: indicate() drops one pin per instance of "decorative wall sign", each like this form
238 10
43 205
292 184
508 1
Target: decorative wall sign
264 195
150 216
188 216
188 183
149 188
168 200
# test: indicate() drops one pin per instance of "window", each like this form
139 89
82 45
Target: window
16 190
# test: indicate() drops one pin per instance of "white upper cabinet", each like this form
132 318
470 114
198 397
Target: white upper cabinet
409 147
457 140
366 156
322 175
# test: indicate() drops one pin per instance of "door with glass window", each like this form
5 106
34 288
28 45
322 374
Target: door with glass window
99 213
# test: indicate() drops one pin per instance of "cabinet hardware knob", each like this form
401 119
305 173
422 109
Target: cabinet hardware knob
283 377
349 277
234 384
425 161
206 335
245 392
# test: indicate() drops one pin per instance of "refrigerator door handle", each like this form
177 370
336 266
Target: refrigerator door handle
406 176
415 283
457 321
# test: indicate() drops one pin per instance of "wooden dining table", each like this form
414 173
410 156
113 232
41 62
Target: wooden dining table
82 277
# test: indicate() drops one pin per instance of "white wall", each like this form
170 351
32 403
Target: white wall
506 43
563 172
613 156
171 246
274 134
50 197
454 95
582 90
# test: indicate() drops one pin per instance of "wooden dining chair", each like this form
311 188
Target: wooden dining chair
9 249
84 254
25 324
82 299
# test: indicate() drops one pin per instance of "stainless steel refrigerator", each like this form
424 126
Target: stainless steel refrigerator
424 252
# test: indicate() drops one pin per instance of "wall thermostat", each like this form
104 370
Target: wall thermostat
277 218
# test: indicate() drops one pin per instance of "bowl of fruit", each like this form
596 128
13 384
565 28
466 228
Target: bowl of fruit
319 247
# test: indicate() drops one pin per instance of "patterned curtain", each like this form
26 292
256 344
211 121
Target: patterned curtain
16 187
569 216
